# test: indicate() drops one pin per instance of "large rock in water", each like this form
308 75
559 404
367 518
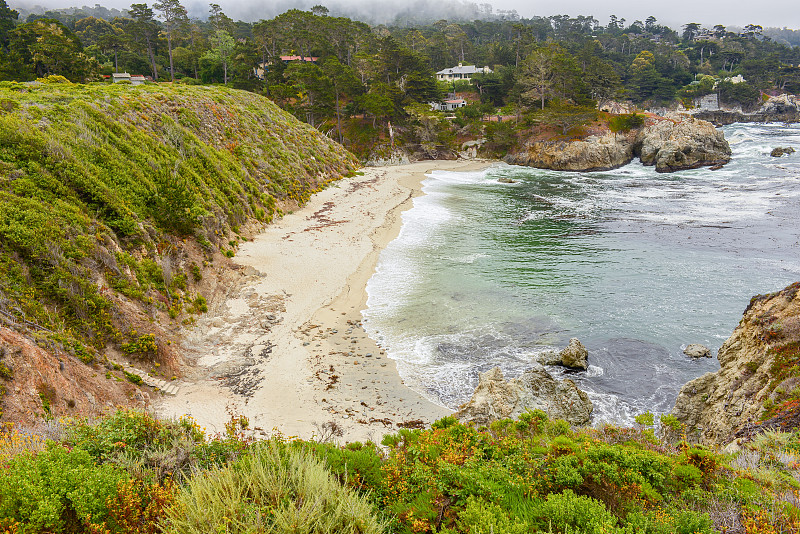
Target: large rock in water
687 143
575 355
756 365
496 398
671 144
696 350
595 153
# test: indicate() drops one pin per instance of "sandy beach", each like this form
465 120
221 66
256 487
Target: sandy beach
285 347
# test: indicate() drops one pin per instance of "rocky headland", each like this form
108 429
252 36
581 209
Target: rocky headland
758 385
783 108
670 144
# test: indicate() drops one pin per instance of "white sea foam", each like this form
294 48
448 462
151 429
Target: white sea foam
664 260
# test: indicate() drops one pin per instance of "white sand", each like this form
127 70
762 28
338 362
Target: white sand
269 352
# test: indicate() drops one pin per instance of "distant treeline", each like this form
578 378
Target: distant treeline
351 79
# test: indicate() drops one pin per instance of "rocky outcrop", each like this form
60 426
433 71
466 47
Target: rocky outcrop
595 153
686 143
575 355
496 398
781 151
757 364
696 350
673 144
783 108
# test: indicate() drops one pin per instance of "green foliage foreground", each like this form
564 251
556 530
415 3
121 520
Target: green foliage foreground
129 472
98 182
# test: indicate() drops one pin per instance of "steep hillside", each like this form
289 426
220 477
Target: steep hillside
117 202
758 385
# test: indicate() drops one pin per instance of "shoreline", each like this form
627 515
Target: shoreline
286 348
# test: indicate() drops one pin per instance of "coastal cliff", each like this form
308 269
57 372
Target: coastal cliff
783 108
669 144
758 384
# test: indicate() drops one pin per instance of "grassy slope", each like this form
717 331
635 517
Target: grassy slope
99 183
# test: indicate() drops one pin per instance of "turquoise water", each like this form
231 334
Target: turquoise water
634 263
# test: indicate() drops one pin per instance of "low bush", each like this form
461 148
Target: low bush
57 490
525 475
273 488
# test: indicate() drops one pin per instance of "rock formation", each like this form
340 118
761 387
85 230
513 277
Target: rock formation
782 108
758 367
595 153
575 355
696 350
781 151
685 144
496 398
670 144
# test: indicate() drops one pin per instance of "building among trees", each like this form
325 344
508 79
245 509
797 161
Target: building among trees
462 72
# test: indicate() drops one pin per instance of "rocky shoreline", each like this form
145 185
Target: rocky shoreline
783 108
757 384
670 144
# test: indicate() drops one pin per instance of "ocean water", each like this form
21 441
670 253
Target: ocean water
633 263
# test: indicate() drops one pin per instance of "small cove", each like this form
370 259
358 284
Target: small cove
634 263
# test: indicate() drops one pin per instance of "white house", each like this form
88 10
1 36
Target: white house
135 79
452 103
462 72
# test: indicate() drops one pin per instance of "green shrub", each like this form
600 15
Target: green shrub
133 378
482 517
129 432
57 490
566 512
357 466
625 123
273 488
686 476
200 304
144 344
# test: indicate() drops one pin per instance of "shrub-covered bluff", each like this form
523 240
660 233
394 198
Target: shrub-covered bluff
115 202
128 473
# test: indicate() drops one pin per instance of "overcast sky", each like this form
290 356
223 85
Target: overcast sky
674 13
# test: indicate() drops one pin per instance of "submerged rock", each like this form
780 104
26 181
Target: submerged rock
496 398
696 350
575 355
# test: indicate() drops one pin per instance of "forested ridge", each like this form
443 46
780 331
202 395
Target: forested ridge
356 79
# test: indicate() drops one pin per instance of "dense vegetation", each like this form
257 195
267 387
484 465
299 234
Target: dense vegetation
101 185
364 78
128 472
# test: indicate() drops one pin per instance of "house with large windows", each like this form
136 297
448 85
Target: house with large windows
462 72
